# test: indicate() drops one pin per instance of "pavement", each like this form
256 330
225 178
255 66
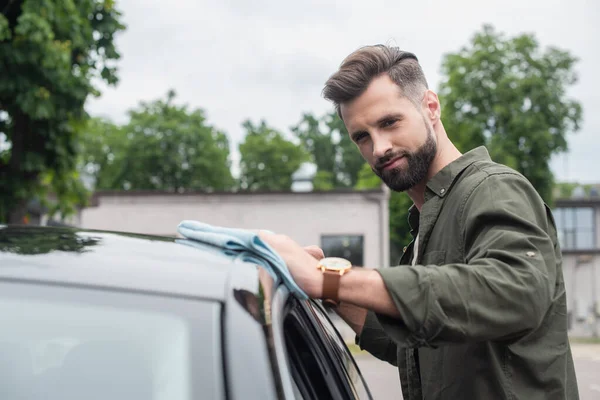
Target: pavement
384 383
587 368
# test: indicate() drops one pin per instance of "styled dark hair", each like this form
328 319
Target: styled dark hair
363 65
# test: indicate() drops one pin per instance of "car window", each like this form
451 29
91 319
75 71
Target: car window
307 365
320 367
66 343
338 347
310 364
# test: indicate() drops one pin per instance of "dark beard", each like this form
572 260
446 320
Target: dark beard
403 178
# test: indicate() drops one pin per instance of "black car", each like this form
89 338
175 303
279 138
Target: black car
103 315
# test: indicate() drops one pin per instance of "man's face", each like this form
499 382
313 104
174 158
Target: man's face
392 134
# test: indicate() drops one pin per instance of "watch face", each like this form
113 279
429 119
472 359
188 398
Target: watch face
335 263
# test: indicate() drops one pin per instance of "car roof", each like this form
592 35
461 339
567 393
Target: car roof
118 260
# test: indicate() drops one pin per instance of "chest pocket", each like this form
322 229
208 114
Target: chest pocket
434 257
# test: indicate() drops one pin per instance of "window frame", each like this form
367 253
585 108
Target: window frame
339 382
568 230
338 350
319 373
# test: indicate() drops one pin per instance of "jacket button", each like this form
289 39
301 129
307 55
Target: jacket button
530 254
443 191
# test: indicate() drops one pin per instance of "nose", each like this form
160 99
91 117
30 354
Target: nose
381 145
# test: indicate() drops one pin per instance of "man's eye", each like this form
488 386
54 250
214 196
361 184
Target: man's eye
389 122
360 137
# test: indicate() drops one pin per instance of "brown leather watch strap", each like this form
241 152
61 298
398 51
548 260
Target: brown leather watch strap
331 286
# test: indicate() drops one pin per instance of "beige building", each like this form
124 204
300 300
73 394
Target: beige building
348 223
578 221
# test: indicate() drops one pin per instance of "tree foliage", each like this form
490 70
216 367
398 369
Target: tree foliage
164 146
268 160
565 190
53 52
101 150
337 159
510 95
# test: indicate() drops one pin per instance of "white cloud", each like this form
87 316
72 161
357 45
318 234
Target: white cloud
269 58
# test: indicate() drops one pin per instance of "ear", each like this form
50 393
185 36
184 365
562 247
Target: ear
431 106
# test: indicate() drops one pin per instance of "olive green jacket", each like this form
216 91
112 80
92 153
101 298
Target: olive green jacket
483 311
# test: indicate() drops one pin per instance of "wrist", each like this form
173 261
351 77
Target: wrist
332 270
313 282
355 282
317 288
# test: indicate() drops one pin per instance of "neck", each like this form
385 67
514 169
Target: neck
446 153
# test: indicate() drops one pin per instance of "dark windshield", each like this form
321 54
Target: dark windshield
58 343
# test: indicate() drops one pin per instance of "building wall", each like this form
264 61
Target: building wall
307 216
581 269
582 283
302 216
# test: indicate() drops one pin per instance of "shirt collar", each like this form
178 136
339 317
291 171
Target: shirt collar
441 182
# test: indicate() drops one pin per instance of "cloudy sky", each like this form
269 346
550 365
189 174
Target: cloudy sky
240 59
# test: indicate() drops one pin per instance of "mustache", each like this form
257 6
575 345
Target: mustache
387 158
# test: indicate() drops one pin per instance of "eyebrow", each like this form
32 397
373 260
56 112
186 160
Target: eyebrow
388 117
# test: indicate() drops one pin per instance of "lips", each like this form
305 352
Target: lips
392 163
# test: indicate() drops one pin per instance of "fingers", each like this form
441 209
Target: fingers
315 251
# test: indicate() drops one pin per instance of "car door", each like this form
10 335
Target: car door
319 363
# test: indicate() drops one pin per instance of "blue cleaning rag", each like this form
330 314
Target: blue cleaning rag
243 244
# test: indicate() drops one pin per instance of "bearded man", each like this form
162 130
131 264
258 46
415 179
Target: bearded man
477 307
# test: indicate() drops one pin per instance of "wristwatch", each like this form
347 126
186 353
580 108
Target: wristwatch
333 268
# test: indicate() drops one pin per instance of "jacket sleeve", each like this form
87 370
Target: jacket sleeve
373 339
504 288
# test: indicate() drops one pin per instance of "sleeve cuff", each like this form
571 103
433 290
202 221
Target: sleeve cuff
407 287
374 340
371 332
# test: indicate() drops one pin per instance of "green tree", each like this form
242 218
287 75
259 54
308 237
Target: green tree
51 54
102 148
337 159
399 229
565 189
367 179
323 181
510 95
268 160
163 147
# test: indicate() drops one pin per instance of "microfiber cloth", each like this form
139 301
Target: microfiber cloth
243 244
